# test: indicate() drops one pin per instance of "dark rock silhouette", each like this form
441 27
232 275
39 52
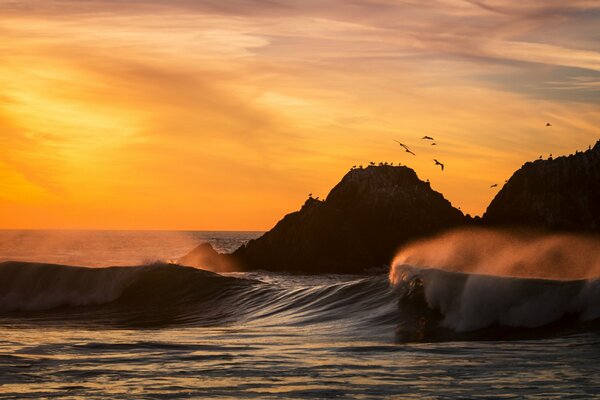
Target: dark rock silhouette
556 194
205 257
375 210
360 225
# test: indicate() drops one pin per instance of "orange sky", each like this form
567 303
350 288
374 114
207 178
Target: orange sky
131 114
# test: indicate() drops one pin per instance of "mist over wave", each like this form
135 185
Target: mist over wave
469 302
475 279
524 254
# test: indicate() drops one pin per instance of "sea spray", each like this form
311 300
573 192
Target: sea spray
469 302
480 278
524 254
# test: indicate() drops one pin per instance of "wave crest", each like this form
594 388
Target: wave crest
466 302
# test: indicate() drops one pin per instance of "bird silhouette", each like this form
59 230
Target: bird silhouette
310 195
439 163
427 138
434 144
408 151
401 144
494 185
548 124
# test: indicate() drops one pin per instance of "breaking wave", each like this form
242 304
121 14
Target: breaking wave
166 294
497 282
462 302
414 303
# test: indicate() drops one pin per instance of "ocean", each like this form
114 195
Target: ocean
103 315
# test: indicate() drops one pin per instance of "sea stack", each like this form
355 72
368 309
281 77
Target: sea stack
359 226
555 194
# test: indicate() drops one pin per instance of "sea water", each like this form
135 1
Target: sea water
133 326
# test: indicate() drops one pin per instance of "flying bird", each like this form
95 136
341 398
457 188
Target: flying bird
408 151
434 144
427 138
548 124
494 185
402 144
439 163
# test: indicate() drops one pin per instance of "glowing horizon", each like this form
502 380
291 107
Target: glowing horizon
225 115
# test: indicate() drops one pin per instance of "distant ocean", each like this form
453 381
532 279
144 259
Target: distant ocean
132 327
108 248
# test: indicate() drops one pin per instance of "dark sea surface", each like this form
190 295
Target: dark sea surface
146 329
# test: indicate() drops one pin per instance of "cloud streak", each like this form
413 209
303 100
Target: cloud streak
192 106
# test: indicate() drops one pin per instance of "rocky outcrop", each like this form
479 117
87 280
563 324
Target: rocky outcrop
360 225
554 194
205 257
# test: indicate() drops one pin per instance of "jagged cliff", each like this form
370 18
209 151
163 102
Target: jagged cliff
374 210
556 194
360 225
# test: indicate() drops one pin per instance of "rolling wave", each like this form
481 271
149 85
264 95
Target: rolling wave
437 302
415 304
165 294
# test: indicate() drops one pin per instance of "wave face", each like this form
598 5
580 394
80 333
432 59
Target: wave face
415 304
165 294
463 302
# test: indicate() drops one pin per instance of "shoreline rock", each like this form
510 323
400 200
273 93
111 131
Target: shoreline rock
359 226
560 194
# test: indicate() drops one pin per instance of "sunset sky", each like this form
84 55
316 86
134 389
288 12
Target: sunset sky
216 114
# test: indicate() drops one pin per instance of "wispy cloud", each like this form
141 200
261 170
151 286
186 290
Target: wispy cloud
193 106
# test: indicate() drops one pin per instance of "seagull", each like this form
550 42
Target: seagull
310 195
402 144
408 151
548 124
494 185
434 144
427 138
439 163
